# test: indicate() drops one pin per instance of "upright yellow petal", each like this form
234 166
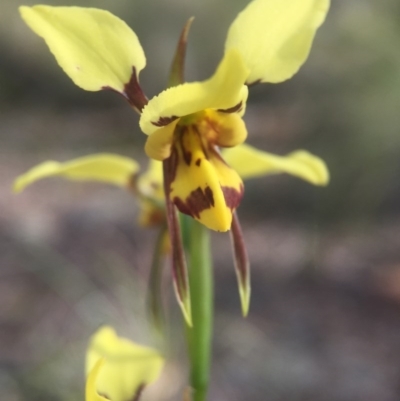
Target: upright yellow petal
104 167
250 162
96 49
275 36
127 366
225 89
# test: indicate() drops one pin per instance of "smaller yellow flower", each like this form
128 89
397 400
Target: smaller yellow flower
119 369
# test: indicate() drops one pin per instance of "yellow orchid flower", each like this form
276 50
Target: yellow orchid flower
187 124
119 369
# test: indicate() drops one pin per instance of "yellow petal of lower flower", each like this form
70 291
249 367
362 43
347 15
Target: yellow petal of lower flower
103 167
250 162
204 187
95 48
127 366
275 36
91 391
223 90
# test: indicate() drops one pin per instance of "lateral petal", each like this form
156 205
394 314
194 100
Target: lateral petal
225 89
127 366
275 36
158 144
250 162
104 167
96 49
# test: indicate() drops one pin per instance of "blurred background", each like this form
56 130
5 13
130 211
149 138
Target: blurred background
324 323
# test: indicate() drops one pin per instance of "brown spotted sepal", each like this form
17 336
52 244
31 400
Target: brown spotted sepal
242 264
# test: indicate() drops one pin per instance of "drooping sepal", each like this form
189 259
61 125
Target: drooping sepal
177 74
104 167
250 162
179 267
242 264
274 37
126 368
96 49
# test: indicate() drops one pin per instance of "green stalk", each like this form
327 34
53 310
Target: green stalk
201 289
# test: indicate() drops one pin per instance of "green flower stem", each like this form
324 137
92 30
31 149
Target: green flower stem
201 290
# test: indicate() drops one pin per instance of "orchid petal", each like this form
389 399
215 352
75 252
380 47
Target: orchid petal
95 49
91 391
127 366
204 186
113 169
158 144
225 89
250 162
275 36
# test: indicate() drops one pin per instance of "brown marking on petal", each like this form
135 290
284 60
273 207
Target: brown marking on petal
163 121
186 154
170 169
153 218
196 202
198 162
258 81
203 148
138 392
133 183
234 109
233 196
209 195
132 92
